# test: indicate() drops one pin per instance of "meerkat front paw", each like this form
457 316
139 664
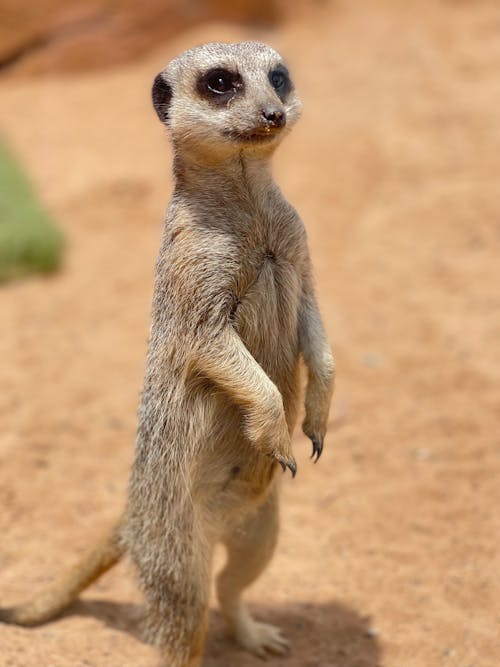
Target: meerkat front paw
283 451
262 639
268 431
317 437
286 462
314 425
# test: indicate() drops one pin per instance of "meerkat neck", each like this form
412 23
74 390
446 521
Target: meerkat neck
246 170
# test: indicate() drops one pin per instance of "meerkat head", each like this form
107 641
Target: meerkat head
225 98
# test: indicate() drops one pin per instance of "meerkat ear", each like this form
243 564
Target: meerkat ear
162 95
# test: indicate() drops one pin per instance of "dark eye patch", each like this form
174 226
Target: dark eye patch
280 81
219 85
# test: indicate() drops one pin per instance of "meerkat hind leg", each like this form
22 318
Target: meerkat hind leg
249 549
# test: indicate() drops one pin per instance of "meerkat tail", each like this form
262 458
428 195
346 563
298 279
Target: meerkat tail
51 602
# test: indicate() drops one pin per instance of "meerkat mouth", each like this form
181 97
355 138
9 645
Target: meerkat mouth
258 136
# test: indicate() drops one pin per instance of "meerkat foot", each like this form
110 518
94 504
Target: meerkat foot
261 639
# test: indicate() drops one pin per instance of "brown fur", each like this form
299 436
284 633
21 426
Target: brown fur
233 311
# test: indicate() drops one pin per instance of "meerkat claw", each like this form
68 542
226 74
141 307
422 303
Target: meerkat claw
287 463
292 467
317 450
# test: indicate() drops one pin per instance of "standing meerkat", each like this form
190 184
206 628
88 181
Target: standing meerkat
233 312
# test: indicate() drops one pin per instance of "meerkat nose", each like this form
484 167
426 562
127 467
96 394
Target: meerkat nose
274 116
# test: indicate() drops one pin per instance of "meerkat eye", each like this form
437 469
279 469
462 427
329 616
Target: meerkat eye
280 81
220 81
277 79
219 85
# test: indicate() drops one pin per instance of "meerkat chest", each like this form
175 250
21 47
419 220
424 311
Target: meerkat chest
267 308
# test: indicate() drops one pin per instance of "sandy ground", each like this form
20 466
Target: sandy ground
389 550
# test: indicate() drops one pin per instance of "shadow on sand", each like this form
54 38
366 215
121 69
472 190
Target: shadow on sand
323 635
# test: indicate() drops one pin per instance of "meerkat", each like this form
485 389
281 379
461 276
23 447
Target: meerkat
234 311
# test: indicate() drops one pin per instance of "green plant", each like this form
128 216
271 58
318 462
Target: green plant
29 239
